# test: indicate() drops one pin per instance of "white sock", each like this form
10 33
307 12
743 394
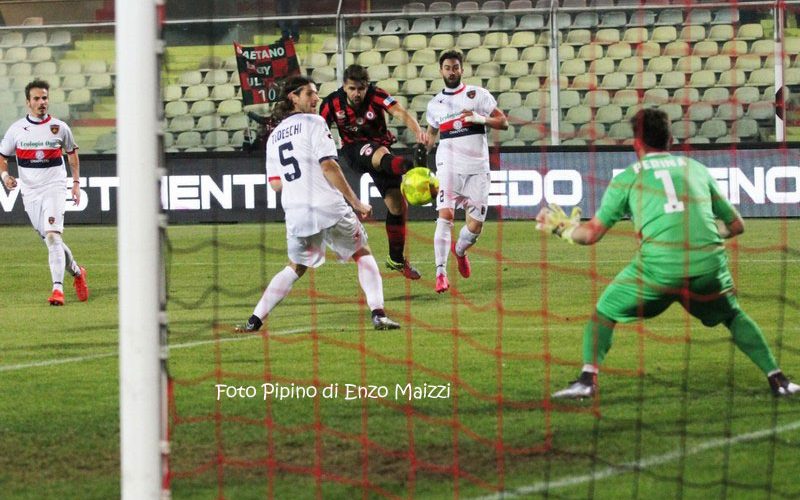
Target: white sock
278 288
441 244
590 369
369 277
71 266
466 239
55 250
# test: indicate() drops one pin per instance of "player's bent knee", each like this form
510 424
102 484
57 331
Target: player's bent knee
52 238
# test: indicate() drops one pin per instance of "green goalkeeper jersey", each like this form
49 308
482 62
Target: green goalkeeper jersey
673 201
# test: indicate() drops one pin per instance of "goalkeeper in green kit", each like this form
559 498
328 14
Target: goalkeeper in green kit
680 218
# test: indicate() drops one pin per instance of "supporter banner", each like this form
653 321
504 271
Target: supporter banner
260 68
207 188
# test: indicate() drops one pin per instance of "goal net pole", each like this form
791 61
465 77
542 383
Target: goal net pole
139 249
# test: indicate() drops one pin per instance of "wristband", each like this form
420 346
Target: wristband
476 118
4 175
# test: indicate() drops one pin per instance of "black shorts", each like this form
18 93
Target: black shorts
359 158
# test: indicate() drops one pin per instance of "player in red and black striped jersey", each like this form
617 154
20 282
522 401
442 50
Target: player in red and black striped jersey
358 109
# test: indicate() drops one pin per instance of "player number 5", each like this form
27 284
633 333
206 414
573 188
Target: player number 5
289 161
673 204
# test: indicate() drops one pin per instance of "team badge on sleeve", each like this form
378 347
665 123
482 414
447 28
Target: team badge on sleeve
471 94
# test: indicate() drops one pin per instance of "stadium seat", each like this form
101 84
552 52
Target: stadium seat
530 133
442 41
527 83
660 65
763 77
563 82
215 139
596 98
11 39
478 55
99 81
578 37
635 35
734 48
59 38
683 129
70 82
643 80
671 79
726 16
449 24
488 70
220 76
588 20
366 59
385 43
613 19
516 69
16 54
414 41
676 49
20 69
533 54
705 48
405 71
414 86
326 73
237 138
698 16
420 102
498 83
590 52
412 7
94 66
201 108
440 6
397 26
229 107
614 80
531 22
619 50
495 39
188 139
702 79
379 72
79 97
648 50
493 5
718 63
761 110
643 18
664 34
520 4
720 32
698 140
791 76
573 67
186 78
673 110
655 96
520 116
468 41
745 128
424 56
579 114
693 33
729 111
746 95
509 100
370 27
592 131
585 81
566 52
686 95
196 93
477 23
631 65
223 91
208 122
35 39
750 31
176 108
748 62
762 47
713 129
504 22
239 121
700 111
731 78
689 64
396 57
625 97
670 17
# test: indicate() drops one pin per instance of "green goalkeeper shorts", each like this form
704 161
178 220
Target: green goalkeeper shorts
635 294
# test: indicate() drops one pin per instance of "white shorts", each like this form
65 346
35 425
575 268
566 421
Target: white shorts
467 191
346 237
45 208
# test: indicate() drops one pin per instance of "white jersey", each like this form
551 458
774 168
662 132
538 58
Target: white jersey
39 147
295 150
462 145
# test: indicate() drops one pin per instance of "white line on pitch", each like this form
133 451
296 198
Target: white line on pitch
185 345
641 464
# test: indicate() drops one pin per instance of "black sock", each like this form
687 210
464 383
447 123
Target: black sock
587 378
378 313
396 234
396 165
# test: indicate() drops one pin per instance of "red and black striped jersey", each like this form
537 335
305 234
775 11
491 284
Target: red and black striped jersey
366 124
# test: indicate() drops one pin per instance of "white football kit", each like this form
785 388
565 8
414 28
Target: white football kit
39 147
316 212
462 158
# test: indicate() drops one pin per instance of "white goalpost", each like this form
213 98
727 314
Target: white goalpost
140 291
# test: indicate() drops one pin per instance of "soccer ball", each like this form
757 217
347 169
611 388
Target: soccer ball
419 186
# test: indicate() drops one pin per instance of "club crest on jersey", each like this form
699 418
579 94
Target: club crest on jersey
39 154
54 128
370 115
458 124
471 94
340 115
51 220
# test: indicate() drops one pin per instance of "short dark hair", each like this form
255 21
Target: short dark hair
451 54
652 127
36 84
356 73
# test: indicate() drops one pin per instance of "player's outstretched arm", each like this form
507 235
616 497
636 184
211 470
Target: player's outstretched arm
402 114
333 173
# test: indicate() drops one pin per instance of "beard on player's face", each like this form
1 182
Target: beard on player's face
452 81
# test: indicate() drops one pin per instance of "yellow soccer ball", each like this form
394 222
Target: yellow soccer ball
419 186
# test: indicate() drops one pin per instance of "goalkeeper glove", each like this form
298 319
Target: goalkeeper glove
554 220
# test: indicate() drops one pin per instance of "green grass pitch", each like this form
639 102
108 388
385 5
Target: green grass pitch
681 413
